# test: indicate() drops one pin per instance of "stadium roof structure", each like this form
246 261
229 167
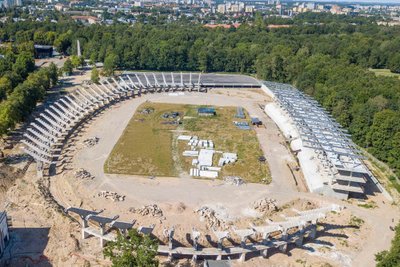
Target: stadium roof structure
320 132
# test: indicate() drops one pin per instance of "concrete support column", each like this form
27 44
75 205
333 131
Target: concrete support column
264 253
194 258
299 241
313 233
220 246
102 232
284 234
39 169
242 257
84 226
283 248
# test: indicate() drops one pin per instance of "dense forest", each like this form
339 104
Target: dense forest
324 55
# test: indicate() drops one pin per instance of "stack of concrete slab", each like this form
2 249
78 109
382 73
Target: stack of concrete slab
190 153
184 137
204 160
206 157
227 158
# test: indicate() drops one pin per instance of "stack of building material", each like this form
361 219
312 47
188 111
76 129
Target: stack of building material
205 144
227 158
111 195
206 157
149 210
265 205
190 153
206 168
184 137
194 172
91 141
193 142
233 180
83 174
209 174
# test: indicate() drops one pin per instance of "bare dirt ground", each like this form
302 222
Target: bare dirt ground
42 236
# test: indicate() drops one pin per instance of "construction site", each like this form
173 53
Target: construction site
218 168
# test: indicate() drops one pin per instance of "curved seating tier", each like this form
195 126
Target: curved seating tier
46 134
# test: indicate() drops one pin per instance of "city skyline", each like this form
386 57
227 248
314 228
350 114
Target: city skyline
353 2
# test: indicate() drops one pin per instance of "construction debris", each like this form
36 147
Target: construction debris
147 111
233 180
91 141
210 216
265 205
83 174
148 210
111 195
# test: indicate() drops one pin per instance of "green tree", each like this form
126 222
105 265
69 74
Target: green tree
63 42
24 64
94 76
394 64
5 87
110 64
77 61
385 125
68 67
53 73
133 250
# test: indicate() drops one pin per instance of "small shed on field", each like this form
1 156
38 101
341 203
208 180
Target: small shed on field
256 121
206 111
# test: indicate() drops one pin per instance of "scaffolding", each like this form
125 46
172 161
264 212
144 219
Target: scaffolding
342 161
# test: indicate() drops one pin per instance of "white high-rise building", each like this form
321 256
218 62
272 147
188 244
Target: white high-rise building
11 3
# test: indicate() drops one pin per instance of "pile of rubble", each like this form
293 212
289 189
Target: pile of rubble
111 195
265 205
147 111
83 174
210 216
233 180
148 210
91 141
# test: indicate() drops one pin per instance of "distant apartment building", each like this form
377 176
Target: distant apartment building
221 9
238 7
86 19
11 3
138 4
59 7
249 9
336 9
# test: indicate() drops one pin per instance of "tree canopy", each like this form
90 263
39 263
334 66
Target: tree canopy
133 250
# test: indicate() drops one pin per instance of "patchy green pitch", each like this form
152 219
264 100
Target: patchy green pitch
148 145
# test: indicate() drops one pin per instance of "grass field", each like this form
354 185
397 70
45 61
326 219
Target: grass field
144 147
385 72
148 147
